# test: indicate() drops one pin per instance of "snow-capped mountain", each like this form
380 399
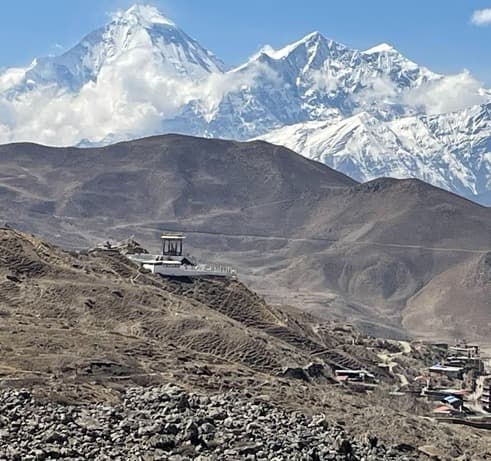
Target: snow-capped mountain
368 113
312 79
452 151
140 29
325 74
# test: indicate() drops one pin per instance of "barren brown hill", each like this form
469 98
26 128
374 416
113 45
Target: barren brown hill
98 315
83 328
64 309
377 254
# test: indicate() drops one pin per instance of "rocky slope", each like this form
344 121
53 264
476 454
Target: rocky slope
169 423
137 321
70 320
368 113
92 351
300 232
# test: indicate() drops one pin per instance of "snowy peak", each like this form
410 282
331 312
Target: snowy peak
140 33
317 46
332 65
143 26
145 15
381 48
324 75
313 44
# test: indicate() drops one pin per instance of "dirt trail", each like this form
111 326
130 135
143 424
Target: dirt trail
149 226
388 359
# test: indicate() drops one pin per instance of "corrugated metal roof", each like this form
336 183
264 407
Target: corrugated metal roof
439 367
451 399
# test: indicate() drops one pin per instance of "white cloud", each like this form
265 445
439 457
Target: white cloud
448 94
378 89
130 98
211 91
11 77
325 80
481 17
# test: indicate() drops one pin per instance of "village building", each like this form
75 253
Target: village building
486 394
441 394
449 371
355 375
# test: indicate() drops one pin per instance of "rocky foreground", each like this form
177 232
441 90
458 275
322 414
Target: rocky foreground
168 423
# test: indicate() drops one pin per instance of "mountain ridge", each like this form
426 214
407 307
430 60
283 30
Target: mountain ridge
141 75
299 232
402 148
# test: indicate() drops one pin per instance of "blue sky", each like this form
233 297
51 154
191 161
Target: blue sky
436 33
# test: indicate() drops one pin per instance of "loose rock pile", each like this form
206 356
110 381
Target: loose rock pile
168 423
